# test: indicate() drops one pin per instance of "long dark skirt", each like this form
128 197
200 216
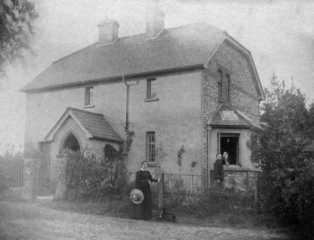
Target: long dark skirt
136 210
143 210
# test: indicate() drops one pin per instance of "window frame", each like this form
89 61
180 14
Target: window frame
89 96
148 148
220 85
227 87
151 93
223 135
224 83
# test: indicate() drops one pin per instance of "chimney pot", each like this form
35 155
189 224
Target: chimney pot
155 21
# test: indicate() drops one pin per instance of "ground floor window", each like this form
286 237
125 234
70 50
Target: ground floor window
229 143
150 147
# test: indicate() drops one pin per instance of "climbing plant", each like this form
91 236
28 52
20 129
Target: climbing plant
180 153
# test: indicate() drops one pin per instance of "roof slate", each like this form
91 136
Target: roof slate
174 48
95 123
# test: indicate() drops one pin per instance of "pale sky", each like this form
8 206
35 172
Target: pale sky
279 34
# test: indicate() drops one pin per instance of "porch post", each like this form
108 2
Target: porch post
207 165
59 170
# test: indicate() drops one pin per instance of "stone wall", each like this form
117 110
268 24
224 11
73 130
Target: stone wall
243 93
242 180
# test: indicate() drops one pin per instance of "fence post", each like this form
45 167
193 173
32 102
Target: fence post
29 192
161 195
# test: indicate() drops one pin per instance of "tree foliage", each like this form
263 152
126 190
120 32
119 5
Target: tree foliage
16 29
286 183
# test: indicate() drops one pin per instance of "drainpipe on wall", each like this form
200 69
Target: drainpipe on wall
127 100
127 104
208 129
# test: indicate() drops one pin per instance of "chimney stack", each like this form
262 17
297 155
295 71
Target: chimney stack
108 31
154 20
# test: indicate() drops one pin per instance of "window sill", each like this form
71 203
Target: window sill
152 164
231 166
151 99
88 106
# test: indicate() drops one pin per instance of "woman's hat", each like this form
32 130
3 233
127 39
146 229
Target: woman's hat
137 196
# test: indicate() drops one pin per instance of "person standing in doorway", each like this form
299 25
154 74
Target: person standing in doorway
219 168
225 159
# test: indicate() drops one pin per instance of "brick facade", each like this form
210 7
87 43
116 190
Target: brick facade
243 96
242 180
243 93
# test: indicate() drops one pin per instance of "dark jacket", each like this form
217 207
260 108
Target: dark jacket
219 169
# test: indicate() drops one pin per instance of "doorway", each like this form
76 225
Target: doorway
71 143
230 143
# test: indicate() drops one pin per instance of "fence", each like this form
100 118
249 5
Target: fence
12 170
186 189
178 188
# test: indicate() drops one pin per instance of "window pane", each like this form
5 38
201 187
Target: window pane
219 85
228 88
151 88
229 115
151 147
88 96
87 92
91 96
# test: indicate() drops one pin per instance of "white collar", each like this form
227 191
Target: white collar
142 169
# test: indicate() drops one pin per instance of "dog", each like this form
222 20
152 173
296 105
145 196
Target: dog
166 216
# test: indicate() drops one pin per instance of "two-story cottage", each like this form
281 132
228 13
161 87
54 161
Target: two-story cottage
192 87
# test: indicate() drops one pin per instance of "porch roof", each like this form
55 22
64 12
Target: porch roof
228 116
94 125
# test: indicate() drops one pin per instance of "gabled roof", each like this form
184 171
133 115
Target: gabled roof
227 116
179 48
94 125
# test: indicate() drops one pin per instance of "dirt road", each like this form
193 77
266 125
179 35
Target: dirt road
32 221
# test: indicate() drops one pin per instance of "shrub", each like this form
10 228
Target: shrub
87 178
92 178
217 199
285 187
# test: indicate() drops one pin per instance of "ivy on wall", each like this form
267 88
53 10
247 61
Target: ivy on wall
180 153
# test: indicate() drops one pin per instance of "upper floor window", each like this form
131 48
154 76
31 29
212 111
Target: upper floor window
150 147
223 86
151 88
220 78
227 88
89 98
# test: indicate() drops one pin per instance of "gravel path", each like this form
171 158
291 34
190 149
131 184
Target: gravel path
31 221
